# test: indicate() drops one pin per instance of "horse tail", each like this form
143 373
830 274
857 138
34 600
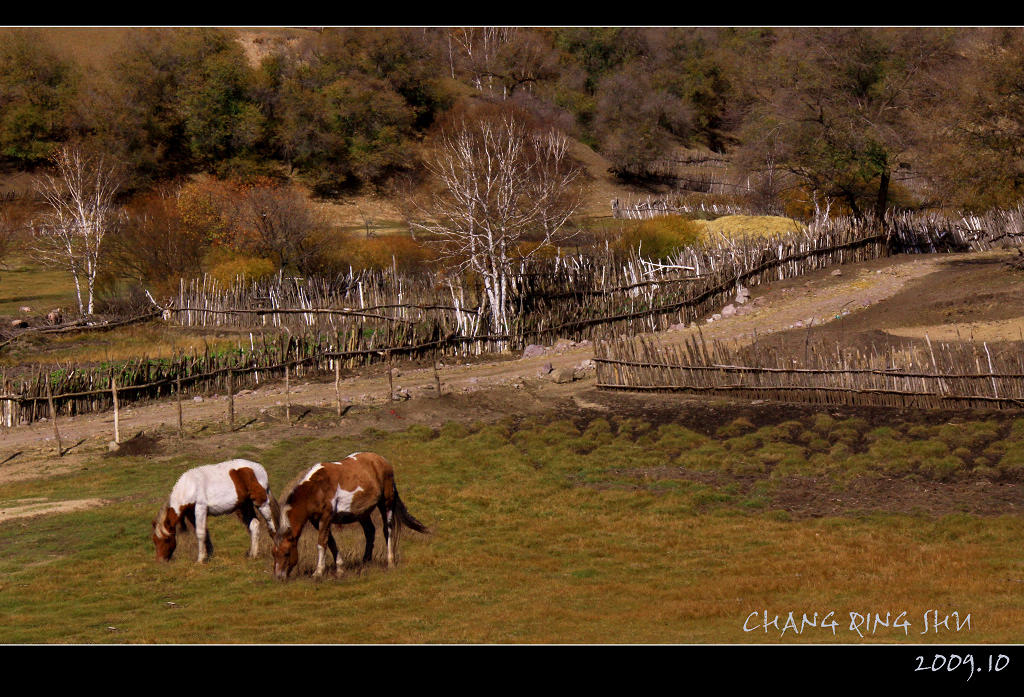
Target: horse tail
403 517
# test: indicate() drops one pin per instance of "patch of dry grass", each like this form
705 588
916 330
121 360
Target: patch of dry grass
734 227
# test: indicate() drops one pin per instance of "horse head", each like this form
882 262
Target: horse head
165 533
286 540
286 555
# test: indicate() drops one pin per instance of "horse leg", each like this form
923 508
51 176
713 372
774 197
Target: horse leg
333 547
370 531
335 554
258 496
250 521
203 541
325 540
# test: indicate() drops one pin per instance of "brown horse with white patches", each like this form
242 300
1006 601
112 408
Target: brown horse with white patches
339 493
234 486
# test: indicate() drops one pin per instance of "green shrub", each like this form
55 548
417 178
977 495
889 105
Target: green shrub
738 427
659 237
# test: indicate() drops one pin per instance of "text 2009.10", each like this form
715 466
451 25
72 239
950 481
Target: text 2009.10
954 662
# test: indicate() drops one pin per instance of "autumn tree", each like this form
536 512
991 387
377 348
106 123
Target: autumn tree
37 94
262 222
498 183
501 60
79 196
975 143
174 101
155 247
843 105
637 123
278 222
345 107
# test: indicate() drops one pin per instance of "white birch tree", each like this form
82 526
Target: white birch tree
499 183
80 201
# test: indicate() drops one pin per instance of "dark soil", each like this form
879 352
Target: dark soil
707 415
140 444
806 497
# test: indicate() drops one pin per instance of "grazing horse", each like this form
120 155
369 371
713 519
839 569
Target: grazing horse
341 492
235 486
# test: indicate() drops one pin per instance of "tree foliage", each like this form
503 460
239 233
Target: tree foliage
840 109
37 94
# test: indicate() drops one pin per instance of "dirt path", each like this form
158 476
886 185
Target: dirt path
29 452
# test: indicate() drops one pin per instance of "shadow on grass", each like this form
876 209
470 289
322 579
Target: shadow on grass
68 449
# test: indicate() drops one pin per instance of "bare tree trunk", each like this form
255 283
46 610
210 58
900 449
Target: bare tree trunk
883 196
81 209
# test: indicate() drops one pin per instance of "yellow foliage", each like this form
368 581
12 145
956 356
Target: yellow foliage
383 253
202 207
658 237
230 267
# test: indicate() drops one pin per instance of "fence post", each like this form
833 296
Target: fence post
8 408
231 398
287 396
177 385
53 417
117 426
391 378
337 383
437 376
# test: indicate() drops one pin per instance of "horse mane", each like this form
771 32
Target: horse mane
292 486
161 516
288 491
275 508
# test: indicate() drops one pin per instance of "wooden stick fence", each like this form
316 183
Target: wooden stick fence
568 297
366 317
939 376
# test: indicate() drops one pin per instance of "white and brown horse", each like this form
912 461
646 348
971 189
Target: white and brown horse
235 486
339 493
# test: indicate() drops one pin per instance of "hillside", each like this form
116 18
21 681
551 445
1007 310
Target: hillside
91 47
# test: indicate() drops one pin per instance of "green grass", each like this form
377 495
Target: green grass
24 283
153 339
538 537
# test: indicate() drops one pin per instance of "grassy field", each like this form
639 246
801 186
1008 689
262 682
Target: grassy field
25 284
546 530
